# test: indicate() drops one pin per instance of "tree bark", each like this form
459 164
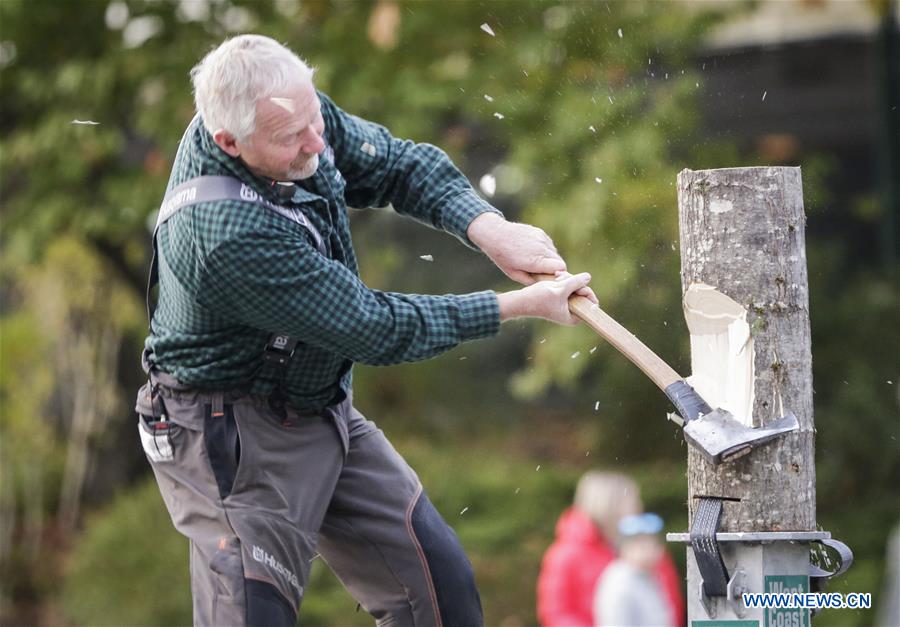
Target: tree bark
742 232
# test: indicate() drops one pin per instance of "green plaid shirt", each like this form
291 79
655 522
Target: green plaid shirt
231 273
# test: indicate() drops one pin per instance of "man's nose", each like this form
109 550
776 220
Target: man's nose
313 143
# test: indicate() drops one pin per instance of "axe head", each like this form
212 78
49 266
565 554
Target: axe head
721 438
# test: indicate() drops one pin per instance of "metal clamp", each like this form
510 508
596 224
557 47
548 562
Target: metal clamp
819 577
737 586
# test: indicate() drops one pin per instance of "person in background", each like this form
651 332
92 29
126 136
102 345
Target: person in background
628 593
586 537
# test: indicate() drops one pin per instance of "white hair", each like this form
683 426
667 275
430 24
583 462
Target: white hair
242 70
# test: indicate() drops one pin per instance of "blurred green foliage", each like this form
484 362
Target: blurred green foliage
583 112
131 568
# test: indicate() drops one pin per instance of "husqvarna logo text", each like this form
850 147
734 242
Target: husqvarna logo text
184 196
248 194
260 555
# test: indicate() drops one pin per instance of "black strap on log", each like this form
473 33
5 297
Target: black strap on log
706 548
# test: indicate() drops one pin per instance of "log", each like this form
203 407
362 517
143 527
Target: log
742 233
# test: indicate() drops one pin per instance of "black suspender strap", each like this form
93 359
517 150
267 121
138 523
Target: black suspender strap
280 348
213 188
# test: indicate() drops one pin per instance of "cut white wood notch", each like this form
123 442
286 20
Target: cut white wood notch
721 351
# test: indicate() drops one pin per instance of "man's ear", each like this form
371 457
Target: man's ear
227 142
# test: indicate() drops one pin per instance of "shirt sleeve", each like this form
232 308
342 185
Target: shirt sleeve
281 284
418 180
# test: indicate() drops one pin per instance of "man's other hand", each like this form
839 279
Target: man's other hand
546 299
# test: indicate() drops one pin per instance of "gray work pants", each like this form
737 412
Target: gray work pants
260 494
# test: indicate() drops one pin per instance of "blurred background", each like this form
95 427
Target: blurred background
574 116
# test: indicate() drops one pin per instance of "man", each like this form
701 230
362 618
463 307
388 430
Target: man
247 419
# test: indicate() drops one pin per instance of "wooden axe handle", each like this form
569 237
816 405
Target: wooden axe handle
622 340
